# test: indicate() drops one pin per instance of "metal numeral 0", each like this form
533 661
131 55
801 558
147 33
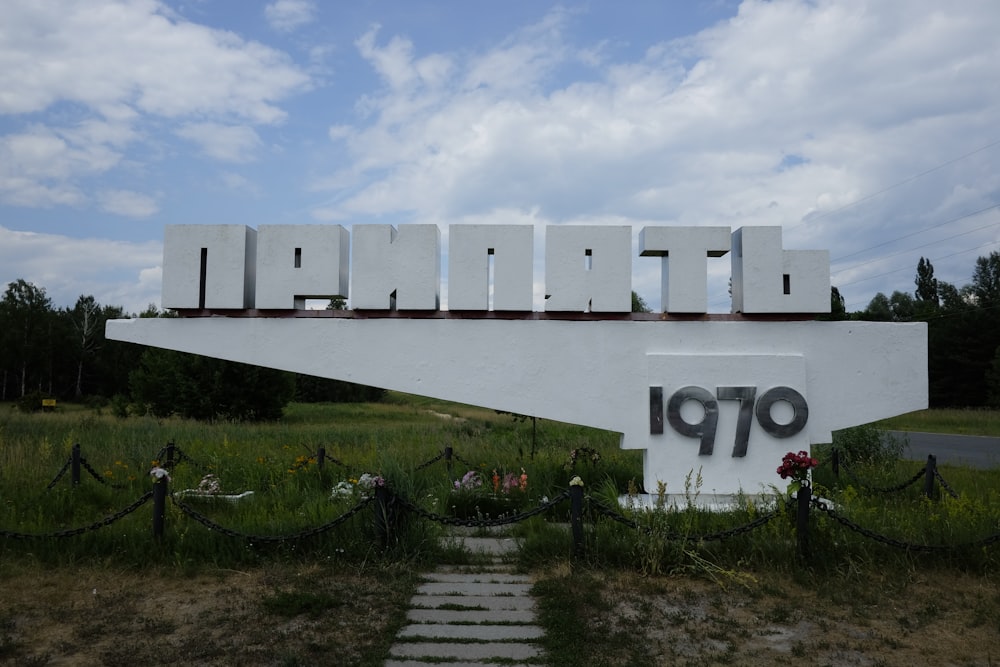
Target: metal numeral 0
800 412
705 430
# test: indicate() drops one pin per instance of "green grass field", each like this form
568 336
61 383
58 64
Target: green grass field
116 595
963 422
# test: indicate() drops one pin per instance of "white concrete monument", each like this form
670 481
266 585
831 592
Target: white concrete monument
720 395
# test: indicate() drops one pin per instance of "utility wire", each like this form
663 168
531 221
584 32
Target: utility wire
908 250
899 184
926 229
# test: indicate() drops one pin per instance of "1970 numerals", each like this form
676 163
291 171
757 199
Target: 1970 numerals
750 406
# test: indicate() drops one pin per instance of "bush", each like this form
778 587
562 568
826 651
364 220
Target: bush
868 446
31 402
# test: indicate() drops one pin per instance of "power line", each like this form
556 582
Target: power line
926 229
907 250
937 259
899 184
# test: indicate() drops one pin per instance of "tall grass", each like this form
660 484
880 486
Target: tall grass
395 440
277 462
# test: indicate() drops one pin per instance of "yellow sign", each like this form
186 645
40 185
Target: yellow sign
48 402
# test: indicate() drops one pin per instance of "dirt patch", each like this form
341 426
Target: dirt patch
941 620
85 616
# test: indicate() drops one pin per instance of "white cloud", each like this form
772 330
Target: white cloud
107 55
288 15
117 273
102 80
38 167
864 94
229 143
128 203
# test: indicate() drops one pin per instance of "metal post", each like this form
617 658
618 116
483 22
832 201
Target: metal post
576 518
321 458
75 469
804 496
448 454
835 461
169 463
929 476
159 505
381 518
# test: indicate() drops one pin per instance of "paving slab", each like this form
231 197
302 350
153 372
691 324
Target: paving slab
484 650
470 617
473 602
471 588
488 633
480 577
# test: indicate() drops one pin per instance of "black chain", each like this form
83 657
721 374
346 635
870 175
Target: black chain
183 457
96 475
944 484
456 457
71 532
893 542
708 537
59 474
892 489
211 525
482 523
431 462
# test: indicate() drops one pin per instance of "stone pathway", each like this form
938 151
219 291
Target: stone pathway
471 615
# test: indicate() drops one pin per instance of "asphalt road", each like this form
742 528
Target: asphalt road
971 450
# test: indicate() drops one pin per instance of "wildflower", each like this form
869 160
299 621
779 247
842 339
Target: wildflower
576 481
159 473
524 480
496 481
342 490
469 482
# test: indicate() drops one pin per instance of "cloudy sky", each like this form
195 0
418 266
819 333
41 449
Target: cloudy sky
865 127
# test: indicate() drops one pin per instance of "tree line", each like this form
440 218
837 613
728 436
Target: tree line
62 353
963 330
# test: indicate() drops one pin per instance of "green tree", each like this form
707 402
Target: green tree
879 309
927 284
993 381
26 314
639 304
985 287
197 387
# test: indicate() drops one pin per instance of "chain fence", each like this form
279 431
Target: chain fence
385 503
72 532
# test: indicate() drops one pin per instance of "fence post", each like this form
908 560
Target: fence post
576 515
321 458
804 496
159 505
381 518
448 454
835 461
929 476
75 466
169 462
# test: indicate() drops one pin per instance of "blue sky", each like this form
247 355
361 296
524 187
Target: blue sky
865 127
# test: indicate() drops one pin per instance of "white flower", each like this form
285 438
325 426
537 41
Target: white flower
576 481
342 490
159 473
